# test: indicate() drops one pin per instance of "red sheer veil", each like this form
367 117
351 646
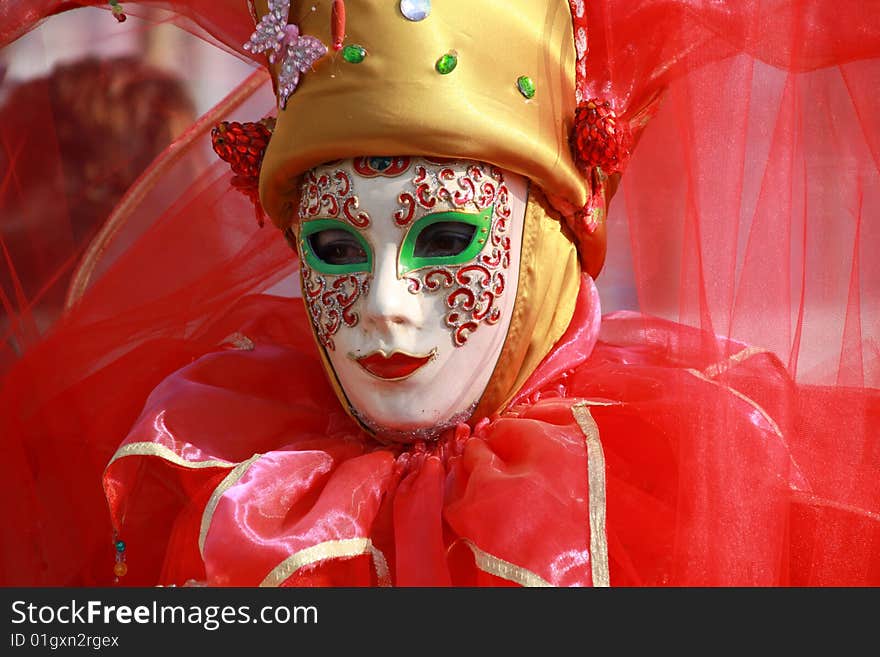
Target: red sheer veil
745 212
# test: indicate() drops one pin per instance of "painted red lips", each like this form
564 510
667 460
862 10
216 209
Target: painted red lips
394 367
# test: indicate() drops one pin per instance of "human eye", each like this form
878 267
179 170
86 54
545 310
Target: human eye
332 247
337 247
445 238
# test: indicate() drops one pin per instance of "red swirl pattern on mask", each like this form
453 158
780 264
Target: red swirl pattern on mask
331 196
330 301
437 279
350 211
404 215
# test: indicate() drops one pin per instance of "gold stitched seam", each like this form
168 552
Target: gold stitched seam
228 482
340 549
596 479
504 569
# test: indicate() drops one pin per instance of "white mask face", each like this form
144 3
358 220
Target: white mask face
410 270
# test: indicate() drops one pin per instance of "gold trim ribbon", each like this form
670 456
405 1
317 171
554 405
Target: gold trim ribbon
228 482
739 357
596 479
504 569
166 453
771 423
341 549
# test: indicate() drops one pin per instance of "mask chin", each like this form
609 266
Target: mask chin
432 289
413 434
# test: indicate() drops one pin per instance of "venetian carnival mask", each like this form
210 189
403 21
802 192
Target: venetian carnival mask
409 272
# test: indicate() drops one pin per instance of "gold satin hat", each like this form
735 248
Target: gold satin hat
489 80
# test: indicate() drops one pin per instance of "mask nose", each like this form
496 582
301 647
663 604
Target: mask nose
389 303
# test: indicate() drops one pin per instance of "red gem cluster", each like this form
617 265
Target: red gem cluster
243 145
599 138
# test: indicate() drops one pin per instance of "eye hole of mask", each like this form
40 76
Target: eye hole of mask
448 238
337 247
444 239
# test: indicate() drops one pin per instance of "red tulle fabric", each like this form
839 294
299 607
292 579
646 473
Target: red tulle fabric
742 221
